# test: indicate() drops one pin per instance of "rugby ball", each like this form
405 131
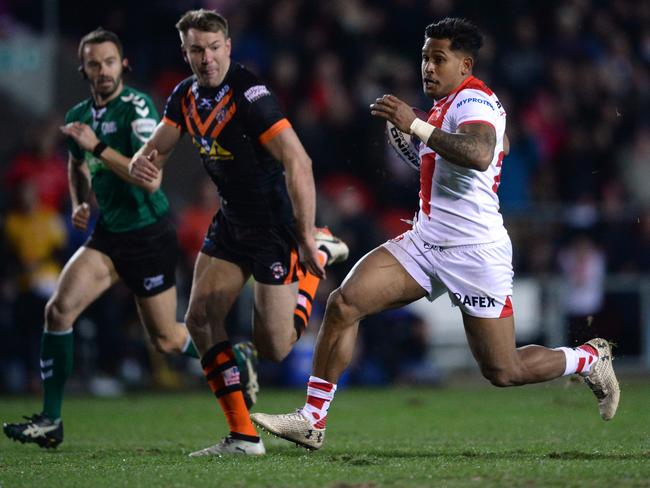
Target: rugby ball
406 146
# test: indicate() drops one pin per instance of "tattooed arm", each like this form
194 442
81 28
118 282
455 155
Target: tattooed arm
472 146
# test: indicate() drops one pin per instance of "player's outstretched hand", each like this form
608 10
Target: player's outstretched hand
81 216
143 169
82 134
309 257
391 108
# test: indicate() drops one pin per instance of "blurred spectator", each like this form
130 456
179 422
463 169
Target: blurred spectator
34 236
634 164
43 164
583 265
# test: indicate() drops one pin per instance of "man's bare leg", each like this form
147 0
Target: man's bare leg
377 282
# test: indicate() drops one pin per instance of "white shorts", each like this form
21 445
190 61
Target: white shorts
478 277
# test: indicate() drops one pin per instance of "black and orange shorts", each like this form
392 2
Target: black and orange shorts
269 252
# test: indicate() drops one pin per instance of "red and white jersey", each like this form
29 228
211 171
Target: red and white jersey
459 206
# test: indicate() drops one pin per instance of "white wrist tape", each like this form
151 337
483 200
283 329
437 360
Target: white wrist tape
422 129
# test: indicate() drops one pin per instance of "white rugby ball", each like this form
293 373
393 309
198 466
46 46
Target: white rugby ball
406 146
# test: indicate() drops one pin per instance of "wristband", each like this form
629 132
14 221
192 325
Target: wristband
422 129
99 149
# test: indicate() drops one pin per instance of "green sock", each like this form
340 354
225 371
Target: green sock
57 354
189 349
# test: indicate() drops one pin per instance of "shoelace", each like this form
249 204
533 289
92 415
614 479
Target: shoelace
297 415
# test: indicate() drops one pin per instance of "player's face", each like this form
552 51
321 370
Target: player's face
103 66
208 54
442 69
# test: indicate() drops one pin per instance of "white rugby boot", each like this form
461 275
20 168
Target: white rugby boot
293 427
337 251
602 379
229 446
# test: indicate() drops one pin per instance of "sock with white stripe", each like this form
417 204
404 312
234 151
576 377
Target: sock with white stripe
57 354
320 394
579 359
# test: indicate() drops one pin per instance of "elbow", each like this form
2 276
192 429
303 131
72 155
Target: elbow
482 165
306 162
483 161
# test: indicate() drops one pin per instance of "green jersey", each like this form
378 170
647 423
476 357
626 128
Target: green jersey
125 124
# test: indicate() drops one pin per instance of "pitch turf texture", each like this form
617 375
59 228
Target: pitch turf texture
543 435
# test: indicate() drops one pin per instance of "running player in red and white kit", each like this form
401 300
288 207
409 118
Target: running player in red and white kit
458 245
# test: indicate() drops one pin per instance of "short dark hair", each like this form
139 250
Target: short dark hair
98 36
203 20
462 33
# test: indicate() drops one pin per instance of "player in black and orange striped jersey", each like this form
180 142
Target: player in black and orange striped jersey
265 227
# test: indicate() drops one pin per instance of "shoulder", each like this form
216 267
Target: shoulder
135 100
247 83
138 105
474 98
240 75
476 95
182 87
75 112
478 85
135 97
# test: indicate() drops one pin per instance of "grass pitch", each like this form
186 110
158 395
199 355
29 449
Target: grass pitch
544 435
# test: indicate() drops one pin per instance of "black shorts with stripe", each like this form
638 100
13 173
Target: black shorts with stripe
145 259
269 252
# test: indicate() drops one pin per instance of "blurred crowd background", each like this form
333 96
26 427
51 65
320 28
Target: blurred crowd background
573 75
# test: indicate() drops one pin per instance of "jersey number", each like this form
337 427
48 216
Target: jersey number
497 178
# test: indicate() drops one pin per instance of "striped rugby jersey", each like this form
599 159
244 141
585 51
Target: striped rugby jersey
229 125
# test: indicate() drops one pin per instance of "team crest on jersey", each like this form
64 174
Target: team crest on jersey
278 270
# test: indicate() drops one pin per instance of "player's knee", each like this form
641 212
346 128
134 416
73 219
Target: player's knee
58 314
341 308
273 351
500 377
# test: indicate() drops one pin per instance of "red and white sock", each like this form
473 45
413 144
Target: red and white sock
320 394
579 359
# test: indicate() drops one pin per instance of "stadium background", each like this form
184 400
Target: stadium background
573 76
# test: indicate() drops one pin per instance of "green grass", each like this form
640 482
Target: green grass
545 435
